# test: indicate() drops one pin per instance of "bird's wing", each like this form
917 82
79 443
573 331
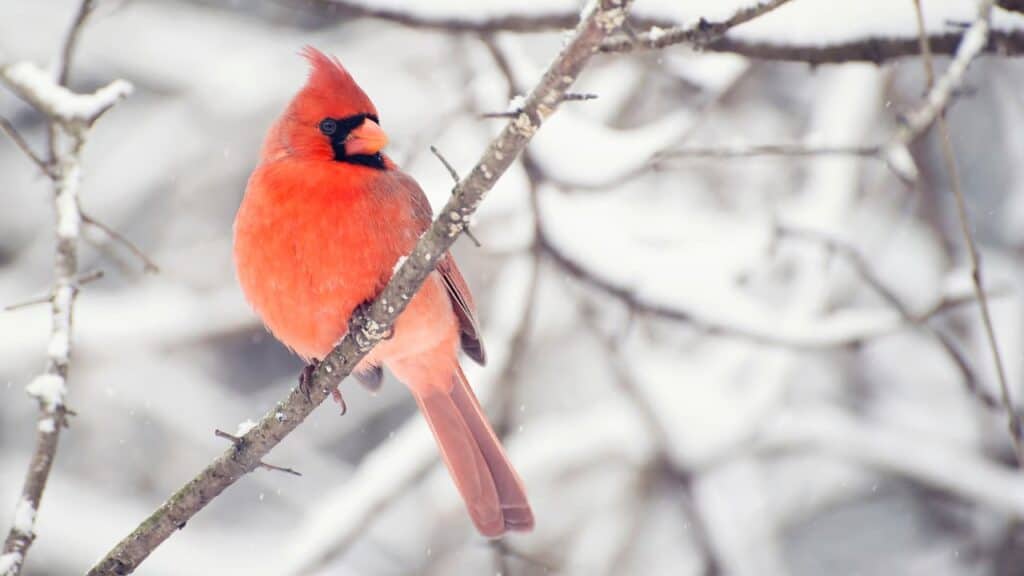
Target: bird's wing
458 290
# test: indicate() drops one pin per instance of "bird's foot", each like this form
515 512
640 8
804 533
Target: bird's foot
306 377
339 400
366 329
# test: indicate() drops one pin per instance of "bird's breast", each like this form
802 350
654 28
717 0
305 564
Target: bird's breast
310 247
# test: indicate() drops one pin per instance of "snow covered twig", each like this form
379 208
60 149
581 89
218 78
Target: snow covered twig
371 325
70 115
35 86
699 34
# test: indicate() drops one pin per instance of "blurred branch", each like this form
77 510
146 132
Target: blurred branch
67 51
22 144
664 464
810 337
920 320
148 265
950 467
70 115
369 326
706 35
933 110
876 50
896 157
699 34
1012 5
558 20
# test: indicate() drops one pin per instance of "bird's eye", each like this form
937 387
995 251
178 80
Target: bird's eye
328 126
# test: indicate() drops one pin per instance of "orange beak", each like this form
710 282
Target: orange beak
367 138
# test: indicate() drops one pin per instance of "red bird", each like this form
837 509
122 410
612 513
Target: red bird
325 218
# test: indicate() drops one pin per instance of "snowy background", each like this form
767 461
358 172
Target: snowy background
689 375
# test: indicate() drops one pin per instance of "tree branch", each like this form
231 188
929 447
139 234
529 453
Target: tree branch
934 111
7 128
70 115
367 328
873 50
877 50
700 34
510 22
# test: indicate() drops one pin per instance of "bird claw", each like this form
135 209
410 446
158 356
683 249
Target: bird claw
359 324
339 400
306 377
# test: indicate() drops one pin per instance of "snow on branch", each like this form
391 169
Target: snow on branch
69 114
369 326
697 34
38 88
940 95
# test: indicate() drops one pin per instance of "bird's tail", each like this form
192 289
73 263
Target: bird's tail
490 487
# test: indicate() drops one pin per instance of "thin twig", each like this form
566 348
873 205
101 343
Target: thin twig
447 165
455 177
368 327
239 442
67 50
864 271
876 50
22 144
699 34
756 150
894 155
148 265
82 280
568 97
975 38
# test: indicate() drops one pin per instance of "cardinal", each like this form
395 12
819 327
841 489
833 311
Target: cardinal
325 218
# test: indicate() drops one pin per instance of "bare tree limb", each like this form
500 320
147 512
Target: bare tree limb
371 325
874 50
70 116
664 464
511 22
699 34
934 111
870 49
895 157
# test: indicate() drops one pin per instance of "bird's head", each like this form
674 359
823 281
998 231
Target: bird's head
331 118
